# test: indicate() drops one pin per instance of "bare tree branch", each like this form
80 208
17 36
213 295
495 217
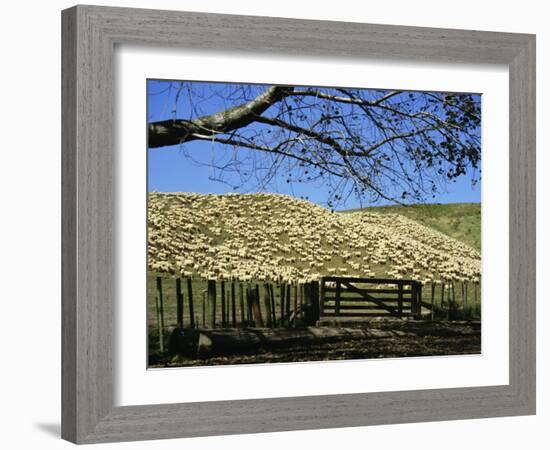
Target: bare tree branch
393 145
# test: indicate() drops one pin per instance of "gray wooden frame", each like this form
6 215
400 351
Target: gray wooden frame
90 34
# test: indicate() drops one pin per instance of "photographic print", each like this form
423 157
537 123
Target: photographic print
310 223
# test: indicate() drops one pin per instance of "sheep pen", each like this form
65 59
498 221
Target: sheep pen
242 262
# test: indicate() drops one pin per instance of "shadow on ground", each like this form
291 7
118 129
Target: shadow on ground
53 429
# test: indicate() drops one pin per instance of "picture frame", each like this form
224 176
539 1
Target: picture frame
90 35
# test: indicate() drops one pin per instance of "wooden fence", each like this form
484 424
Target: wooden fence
231 304
193 303
363 297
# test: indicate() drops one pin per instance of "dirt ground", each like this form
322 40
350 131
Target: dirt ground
421 339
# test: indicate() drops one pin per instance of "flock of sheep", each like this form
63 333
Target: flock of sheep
279 238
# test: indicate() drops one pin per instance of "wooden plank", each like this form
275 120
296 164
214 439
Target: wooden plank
212 303
391 300
295 299
363 314
371 298
203 299
228 342
161 313
179 304
311 295
450 311
250 294
255 306
365 298
267 307
372 290
368 280
302 300
190 303
249 301
432 301
442 294
273 306
346 292
288 299
418 302
241 303
224 308
228 307
344 307
314 289
282 292
454 293
233 307
338 295
321 296
159 327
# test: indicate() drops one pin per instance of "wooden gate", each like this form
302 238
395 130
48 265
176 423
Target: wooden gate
363 297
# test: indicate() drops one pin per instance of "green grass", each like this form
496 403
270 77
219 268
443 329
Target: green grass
461 221
199 287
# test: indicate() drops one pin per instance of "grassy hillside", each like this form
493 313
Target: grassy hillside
460 221
278 237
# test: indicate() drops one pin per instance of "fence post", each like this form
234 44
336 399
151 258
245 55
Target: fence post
418 311
321 297
203 298
212 302
295 301
454 299
223 304
191 306
416 299
315 301
161 339
248 305
337 300
282 291
160 313
256 311
227 308
302 300
288 298
241 303
267 306
311 291
450 314
273 306
443 298
432 300
233 311
400 298
179 304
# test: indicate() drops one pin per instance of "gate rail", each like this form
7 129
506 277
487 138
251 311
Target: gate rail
349 297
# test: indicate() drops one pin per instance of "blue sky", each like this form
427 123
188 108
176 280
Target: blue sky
187 167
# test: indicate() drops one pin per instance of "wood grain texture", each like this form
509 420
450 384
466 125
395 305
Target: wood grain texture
89 204
68 225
